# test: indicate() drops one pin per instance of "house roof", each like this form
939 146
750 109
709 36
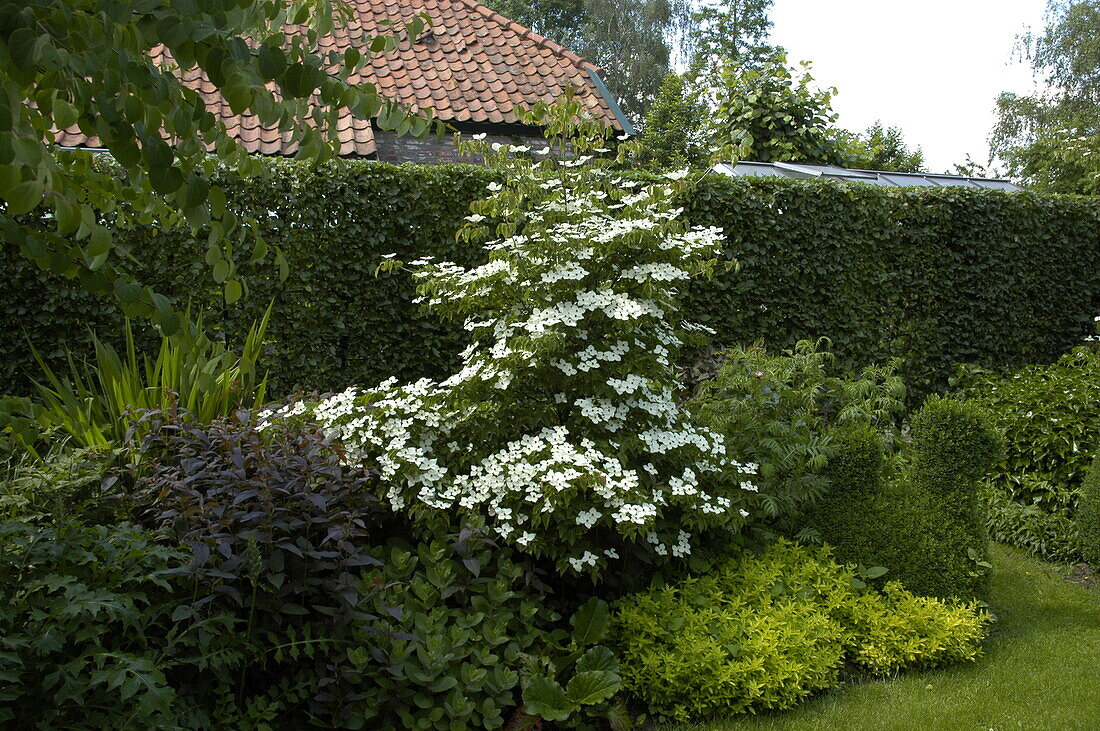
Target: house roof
800 171
472 66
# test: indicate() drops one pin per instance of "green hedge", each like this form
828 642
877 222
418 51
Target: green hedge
935 275
334 322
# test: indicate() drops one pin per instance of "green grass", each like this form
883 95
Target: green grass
1041 669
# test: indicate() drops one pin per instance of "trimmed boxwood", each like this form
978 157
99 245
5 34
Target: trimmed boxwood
925 527
1088 515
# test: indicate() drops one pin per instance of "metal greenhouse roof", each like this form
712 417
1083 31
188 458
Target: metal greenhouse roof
799 171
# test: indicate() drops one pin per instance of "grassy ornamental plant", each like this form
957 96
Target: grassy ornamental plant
562 427
98 402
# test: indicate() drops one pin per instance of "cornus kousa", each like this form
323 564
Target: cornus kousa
562 428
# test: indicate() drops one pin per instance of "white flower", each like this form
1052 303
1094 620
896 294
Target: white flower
573 323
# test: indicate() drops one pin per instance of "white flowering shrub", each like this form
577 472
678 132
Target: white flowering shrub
563 428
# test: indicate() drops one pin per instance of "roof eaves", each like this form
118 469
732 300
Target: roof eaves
624 121
799 170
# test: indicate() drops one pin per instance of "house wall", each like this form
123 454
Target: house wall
434 149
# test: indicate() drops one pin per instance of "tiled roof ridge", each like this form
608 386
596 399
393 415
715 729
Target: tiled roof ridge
526 32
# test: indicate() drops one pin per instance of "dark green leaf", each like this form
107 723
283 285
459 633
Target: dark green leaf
598 658
592 686
591 622
544 697
23 197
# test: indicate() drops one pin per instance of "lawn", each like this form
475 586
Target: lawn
1041 669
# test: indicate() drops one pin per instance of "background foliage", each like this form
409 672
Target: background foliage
936 276
632 42
1050 416
86 632
1051 139
771 112
785 412
87 64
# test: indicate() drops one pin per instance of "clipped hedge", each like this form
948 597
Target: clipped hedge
937 276
334 322
1088 517
925 527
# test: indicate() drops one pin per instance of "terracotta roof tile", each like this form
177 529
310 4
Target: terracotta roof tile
473 65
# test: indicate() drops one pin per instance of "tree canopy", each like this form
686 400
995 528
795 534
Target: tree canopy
883 148
1051 140
86 63
731 30
673 136
562 21
633 42
770 112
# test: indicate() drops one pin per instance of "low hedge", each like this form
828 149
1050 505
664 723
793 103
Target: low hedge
763 632
936 276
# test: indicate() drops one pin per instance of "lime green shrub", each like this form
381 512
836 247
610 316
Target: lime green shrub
898 630
1088 516
1050 416
767 631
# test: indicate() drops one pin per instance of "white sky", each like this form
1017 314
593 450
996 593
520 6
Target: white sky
931 67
